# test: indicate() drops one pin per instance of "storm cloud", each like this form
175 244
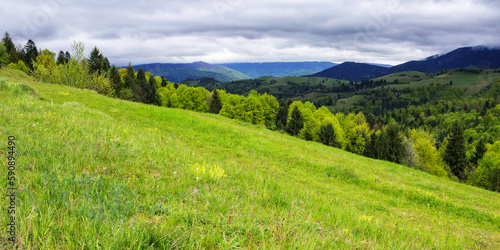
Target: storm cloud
220 31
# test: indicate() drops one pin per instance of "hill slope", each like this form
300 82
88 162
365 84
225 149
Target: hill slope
467 57
279 69
96 171
178 72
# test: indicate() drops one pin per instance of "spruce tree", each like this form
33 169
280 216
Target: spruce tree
31 53
480 151
455 152
60 58
394 142
10 48
163 82
95 61
67 57
371 147
296 122
115 79
282 115
215 104
154 98
328 136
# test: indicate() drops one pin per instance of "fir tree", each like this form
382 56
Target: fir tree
455 152
215 104
60 58
296 122
163 82
328 136
115 79
394 142
480 151
31 53
67 57
282 115
154 98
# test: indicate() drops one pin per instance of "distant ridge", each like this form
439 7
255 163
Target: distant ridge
467 57
279 69
178 72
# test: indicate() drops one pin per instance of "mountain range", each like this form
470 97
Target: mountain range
467 57
178 72
279 69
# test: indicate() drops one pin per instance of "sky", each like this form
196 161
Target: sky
227 31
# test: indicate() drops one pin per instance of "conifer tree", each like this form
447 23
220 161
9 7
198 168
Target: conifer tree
370 147
328 136
154 98
455 152
282 115
296 122
215 104
394 142
60 58
163 82
31 53
480 151
67 56
115 79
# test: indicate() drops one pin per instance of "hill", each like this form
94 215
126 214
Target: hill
101 172
279 69
178 72
467 57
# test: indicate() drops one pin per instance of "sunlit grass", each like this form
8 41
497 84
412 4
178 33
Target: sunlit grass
97 172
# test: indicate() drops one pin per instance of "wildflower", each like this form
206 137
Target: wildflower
197 177
104 168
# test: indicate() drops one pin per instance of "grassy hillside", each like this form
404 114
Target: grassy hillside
96 172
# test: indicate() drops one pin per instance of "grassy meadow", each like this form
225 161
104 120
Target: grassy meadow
101 173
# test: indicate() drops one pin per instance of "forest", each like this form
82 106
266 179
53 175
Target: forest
436 129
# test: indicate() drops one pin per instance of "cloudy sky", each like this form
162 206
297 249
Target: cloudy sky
218 31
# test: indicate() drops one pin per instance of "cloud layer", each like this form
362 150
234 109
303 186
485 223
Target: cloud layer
219 31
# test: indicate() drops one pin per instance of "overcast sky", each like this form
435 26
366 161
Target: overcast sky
219 31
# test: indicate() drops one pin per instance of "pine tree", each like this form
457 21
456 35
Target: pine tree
142 86
129 78
296 122
394 142
10 48
163 82
215 104
455 152
371 147
282 115
60 58
154 98
480 151
328 136
115 79
67 57
31 53
95 61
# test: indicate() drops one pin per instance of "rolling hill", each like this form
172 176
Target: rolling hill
98 172
279 69
467 57
178 72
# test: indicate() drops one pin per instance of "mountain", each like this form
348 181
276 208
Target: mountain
279 69
178 72
467 57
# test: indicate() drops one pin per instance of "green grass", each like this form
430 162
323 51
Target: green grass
97 172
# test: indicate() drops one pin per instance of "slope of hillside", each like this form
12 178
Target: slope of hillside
97 172
279 69
178 72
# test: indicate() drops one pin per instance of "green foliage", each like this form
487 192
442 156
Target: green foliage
487 175
19 66
455 155
429 159
394 140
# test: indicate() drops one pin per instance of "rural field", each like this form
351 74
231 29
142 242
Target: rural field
98 172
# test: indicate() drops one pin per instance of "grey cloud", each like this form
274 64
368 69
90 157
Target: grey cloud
242 30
